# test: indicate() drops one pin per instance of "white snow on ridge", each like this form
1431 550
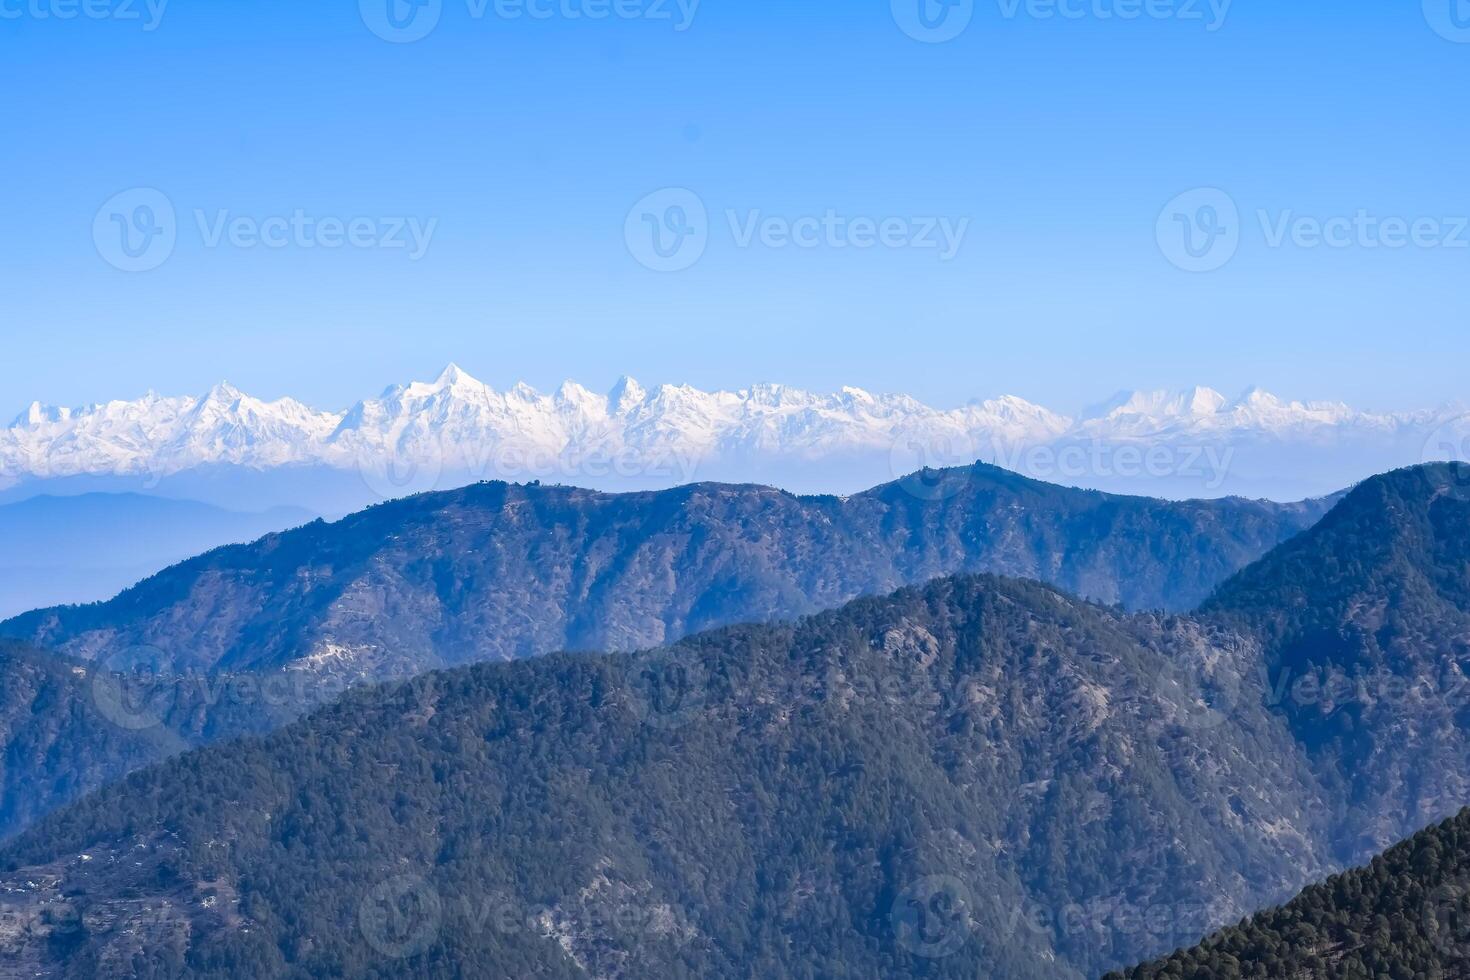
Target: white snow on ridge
457 423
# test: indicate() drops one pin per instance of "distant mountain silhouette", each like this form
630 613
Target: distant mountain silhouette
90 547
497 571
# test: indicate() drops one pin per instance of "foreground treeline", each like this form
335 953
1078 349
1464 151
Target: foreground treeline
1406 916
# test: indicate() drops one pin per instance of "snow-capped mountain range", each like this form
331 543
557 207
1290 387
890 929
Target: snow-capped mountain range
455 429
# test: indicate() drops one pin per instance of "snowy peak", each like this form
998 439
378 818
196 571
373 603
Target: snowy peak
1166 405
625 395
1015 411
1261 409
223 393
1205 401
573 398
453 381
1204 411
458 423
38 414
521 391
453 375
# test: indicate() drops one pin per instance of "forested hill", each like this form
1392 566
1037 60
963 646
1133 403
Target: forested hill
1365 624
55 742
497 571
67 728
976 777
981 777
1402 534
1407 914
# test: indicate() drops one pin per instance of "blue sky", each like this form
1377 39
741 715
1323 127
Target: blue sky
519 147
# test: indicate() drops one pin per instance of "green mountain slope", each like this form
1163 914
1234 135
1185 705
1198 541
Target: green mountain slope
498 572
1407 914
1364 622
979 778
56 744
67 728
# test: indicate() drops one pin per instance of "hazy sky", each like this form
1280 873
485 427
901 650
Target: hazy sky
1047 140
